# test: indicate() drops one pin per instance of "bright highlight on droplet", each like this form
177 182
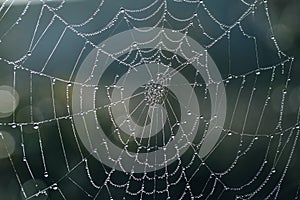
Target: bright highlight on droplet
9 100
7 144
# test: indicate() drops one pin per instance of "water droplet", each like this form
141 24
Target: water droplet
134 45
229 133
54 187
14 126
46 174
189 112
69 84
35 126
29 53
258 73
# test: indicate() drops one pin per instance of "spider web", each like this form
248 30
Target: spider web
102 90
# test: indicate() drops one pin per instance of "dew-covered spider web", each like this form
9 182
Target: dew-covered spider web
162 99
